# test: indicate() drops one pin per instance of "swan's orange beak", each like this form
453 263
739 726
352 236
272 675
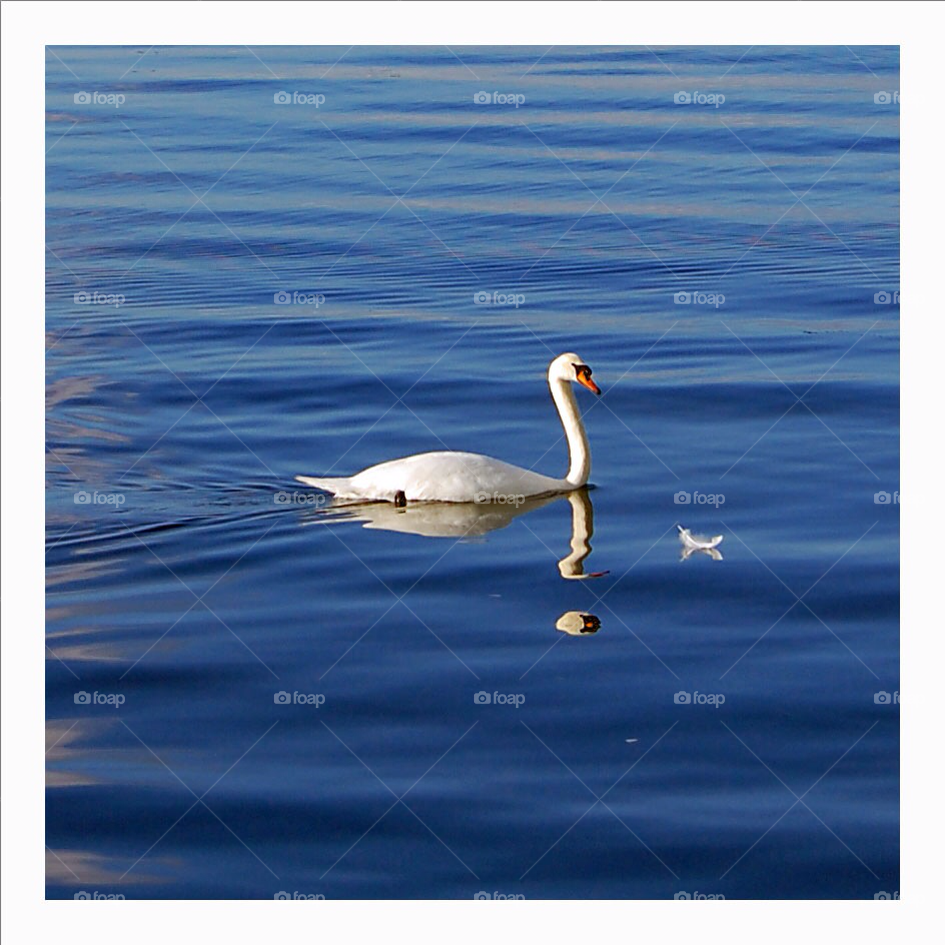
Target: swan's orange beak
584 379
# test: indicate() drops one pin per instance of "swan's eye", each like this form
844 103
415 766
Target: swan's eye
583 376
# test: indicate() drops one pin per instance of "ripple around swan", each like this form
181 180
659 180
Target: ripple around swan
430 279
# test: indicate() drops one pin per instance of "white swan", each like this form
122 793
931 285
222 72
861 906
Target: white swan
471 477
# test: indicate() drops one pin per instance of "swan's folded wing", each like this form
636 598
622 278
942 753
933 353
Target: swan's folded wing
452 477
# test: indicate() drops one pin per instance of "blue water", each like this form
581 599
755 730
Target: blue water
437 252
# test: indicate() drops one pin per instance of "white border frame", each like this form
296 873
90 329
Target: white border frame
29 26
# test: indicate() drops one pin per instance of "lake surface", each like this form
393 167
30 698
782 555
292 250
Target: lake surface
440 224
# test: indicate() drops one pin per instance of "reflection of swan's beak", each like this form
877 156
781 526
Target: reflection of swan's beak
576 624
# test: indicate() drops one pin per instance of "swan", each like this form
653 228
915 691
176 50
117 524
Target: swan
449 476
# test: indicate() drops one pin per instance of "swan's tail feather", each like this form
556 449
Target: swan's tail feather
334 486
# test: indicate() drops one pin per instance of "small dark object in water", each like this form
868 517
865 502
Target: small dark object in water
591 623
400 499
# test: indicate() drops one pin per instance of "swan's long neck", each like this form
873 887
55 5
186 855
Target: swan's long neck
578 448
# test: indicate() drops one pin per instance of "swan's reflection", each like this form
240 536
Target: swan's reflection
571 567
460 520
468 520
432 519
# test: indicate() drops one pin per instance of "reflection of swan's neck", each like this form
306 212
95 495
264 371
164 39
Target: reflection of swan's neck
578 448
582 528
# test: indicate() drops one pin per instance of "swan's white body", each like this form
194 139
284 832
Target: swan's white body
470 477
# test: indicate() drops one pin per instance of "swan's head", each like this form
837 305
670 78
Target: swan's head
569 367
